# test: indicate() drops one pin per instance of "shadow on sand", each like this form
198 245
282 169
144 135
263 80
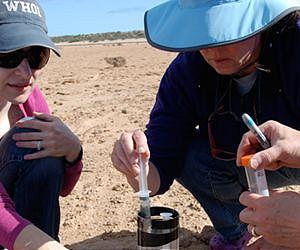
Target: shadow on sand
126 240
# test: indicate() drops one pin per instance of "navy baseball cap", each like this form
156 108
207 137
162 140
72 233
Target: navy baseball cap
22 24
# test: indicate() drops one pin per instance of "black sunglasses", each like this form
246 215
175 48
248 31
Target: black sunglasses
37 57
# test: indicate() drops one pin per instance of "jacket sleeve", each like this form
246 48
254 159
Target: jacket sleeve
71 177
37 102
172 123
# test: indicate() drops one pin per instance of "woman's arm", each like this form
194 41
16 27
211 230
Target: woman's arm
33 238
16 233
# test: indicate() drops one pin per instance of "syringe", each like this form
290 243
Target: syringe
143 184
256 179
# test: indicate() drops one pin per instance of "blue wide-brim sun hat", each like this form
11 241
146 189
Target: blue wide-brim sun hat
187 25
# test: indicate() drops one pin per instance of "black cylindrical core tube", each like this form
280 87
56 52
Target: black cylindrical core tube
162 231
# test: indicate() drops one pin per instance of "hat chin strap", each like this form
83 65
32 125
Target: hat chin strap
243 70
253 63
257 66
260 67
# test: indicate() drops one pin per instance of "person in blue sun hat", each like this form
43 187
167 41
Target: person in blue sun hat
235 57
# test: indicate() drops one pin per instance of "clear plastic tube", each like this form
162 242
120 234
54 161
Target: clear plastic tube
257 181
144 192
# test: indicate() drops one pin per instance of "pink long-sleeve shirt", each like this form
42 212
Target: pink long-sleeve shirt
11 224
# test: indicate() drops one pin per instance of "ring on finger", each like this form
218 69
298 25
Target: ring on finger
39 145
254 232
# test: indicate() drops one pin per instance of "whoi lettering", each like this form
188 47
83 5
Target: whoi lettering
22 6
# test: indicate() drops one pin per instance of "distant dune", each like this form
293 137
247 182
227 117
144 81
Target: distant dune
117 41
98 37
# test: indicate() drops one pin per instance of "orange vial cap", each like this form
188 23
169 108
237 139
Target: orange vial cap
246 160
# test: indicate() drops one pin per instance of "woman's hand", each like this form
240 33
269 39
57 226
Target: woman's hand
284 150
125 157
276 218
125 152
56 139
262 244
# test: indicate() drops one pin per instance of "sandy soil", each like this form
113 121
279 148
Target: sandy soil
99 101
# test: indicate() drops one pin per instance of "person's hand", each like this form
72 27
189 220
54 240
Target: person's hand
56 139
284 150
276 218
126 152
262 244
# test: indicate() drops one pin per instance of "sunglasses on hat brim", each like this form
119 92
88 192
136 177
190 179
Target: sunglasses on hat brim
36 56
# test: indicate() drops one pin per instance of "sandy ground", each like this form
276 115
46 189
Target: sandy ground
99 101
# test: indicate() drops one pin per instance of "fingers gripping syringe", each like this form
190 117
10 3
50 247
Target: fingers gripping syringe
143 184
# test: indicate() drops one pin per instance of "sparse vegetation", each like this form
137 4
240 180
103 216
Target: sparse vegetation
110 36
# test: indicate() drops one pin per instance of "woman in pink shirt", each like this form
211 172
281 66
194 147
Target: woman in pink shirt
20 234
40 158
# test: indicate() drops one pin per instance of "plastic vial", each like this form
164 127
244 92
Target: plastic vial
256 179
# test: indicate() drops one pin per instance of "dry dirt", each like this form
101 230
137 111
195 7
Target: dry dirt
99 100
